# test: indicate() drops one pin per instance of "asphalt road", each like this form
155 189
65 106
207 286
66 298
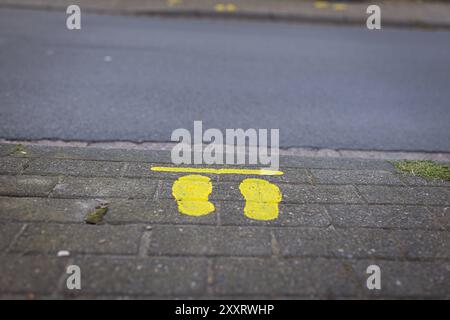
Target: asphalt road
139 78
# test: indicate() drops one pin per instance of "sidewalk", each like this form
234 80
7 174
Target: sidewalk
394 13
337 217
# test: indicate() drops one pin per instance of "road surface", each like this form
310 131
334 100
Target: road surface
139 78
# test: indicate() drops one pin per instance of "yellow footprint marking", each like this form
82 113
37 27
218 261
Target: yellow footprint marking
191 193
261 199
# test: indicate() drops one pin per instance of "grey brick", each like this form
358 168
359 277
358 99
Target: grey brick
335 163
306 277
210 241
6 149
290 193
7 233
384 216
419 244
81 168
11 165
44 209
442 216
150 211
406 195
349 243
291 175
139 170
30 274
319 194
326 176
90 153
406 279
232 213
418 181
150 276
105 187
104 239
26 185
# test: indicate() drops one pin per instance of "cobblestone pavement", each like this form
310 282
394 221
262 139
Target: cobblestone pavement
337 217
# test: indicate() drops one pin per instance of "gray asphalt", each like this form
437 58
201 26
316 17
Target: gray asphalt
322 86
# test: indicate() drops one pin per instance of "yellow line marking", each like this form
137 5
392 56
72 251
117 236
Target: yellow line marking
321 4
191 193
261 172
261 199
339 6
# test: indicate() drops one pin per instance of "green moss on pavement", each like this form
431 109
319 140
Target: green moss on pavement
424 168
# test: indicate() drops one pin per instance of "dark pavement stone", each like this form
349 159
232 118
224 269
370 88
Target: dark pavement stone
349 243
442 215
210 241
291 193
419 244
291 215
384 216
80 238
306 277
11 165
30 274
335 163
402 279
319 194
45 209
6 149
80 168
142 170
83 153
8 231
152 212
418 181
26 185
405 195
294 176
325 176
149 276
105 187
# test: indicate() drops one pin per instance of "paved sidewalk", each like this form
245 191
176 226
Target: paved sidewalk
394 13
337 217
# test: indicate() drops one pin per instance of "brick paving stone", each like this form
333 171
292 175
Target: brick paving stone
150 276
210 241
79 238
105 187
45 209
26 185
305 277
11 165
80 168
290 215
385 216
325 176
406 195
8 232
29 275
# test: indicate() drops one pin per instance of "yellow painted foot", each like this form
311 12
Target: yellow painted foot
262 199
191 193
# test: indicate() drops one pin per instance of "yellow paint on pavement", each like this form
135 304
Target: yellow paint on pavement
321 4
225 7
339 6
262 199
266 172
191 193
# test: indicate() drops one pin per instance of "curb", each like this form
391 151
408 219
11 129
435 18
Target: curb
245 16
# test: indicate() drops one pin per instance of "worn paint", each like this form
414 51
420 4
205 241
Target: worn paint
191 193
266 172
262 199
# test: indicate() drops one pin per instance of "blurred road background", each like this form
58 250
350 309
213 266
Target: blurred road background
139 78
